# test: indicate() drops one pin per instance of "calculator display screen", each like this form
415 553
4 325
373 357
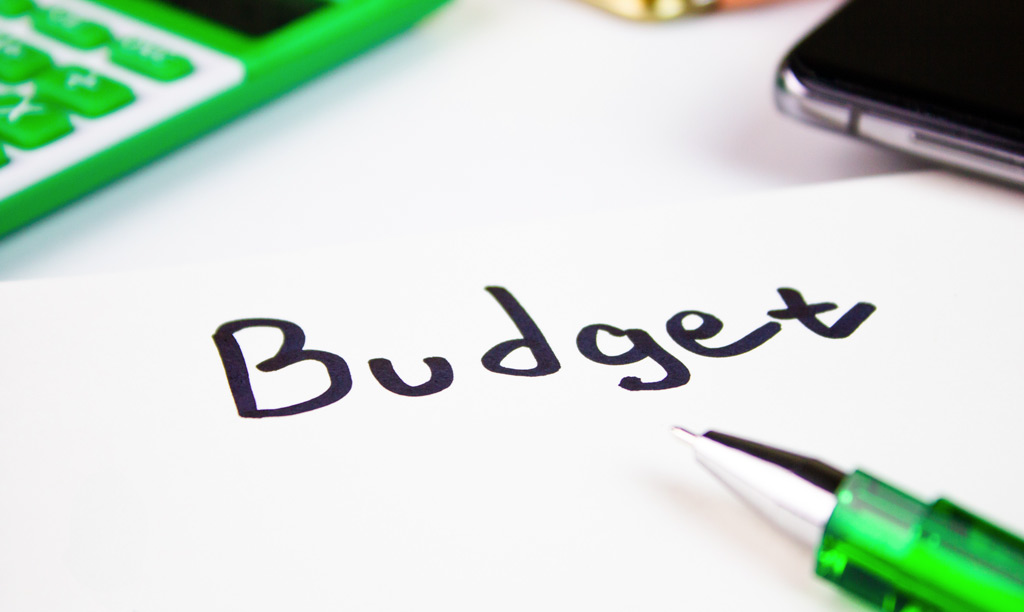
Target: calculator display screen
250 17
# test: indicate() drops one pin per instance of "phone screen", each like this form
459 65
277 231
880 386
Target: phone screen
957 60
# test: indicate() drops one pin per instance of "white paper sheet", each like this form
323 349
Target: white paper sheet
130 481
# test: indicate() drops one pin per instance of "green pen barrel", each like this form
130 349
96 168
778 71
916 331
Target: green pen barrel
903 555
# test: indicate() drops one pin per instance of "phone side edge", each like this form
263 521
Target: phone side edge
888 128
794 98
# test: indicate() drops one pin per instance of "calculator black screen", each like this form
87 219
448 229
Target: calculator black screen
250 17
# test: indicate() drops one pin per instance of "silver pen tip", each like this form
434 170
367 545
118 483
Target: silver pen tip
684 434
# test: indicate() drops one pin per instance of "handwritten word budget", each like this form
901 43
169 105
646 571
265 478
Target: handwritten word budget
688 329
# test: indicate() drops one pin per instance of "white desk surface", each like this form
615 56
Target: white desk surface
490 111
495 112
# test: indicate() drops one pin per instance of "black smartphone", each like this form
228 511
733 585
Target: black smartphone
942 79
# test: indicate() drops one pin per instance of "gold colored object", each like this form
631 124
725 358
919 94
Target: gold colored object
656 10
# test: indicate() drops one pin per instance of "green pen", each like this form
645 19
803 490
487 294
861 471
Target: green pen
873 540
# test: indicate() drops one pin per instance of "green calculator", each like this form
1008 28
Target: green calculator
91 89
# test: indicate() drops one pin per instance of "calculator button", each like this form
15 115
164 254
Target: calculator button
67 27
13 8
149 59
82 91
27 123
19 61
